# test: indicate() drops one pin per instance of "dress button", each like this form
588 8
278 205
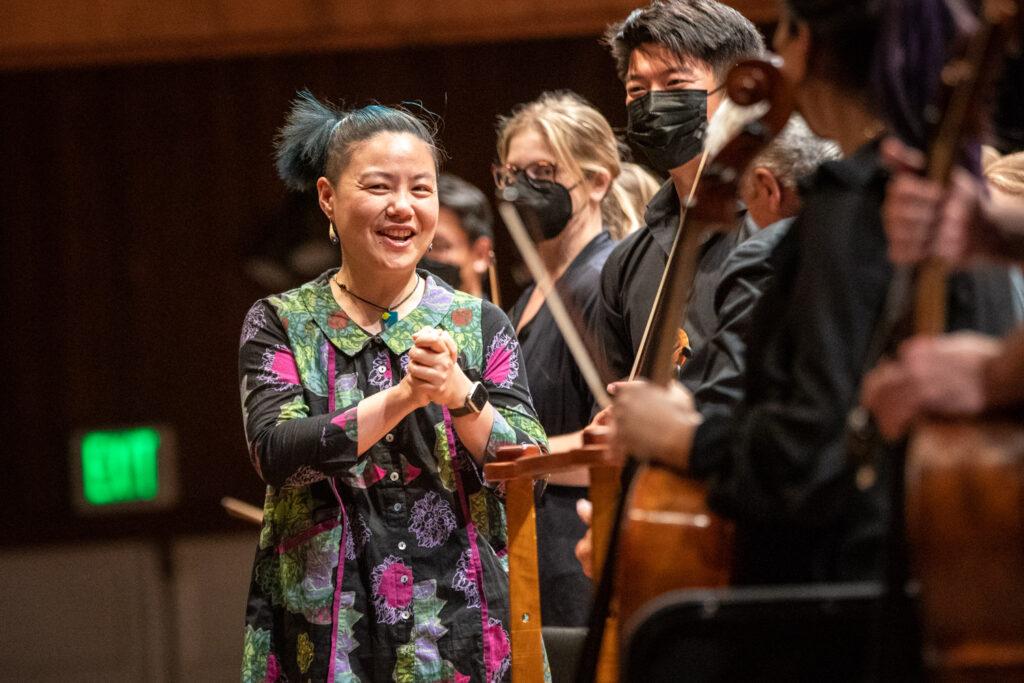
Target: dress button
389 437
405 578
397 507
401 545
393 476
405 614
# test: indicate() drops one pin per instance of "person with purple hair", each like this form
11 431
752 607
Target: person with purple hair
778 465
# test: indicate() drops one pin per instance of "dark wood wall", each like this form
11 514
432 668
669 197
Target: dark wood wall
56 33
129 197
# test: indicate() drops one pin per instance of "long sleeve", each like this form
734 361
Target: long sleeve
781 460
746 275
778 464
613 332
504 376
788 456
287 445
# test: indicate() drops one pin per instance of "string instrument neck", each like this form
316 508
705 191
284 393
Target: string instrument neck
964 81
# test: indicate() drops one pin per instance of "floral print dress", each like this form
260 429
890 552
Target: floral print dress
390 565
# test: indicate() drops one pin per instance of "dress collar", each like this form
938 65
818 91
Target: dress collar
350 338
662 216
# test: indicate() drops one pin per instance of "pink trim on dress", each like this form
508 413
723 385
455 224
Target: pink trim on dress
331 399
475 563
340 576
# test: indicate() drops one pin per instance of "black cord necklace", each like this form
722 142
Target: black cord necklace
388 314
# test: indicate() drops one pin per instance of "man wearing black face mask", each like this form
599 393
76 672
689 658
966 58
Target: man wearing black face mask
672 56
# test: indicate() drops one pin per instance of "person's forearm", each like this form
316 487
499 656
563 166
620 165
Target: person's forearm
378 414
474 431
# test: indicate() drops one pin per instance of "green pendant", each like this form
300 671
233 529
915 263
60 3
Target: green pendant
389 318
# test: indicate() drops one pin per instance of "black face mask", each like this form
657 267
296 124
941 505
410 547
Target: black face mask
544 205
668 126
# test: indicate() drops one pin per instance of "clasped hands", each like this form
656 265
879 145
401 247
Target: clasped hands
433 374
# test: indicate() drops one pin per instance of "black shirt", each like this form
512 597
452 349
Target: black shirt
560 396
779 463
629 284
564 405
745 276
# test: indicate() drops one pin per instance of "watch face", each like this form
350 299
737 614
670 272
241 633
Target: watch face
479 396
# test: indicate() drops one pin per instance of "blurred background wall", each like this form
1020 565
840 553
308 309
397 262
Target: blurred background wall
140 216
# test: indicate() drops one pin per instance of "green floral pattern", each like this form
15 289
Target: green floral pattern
255 652
286 512
305 575
293 410
296 308
463 323
418 660
443 457
301 422
488 514
522 419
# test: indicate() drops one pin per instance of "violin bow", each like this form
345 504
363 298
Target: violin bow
492 279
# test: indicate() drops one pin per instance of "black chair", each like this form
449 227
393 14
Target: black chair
778 633
563 646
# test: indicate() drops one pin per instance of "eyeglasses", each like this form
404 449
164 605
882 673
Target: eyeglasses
539 170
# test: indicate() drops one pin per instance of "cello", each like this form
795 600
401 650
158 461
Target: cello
964 479
665 509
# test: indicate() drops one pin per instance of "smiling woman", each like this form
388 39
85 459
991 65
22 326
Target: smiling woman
372 396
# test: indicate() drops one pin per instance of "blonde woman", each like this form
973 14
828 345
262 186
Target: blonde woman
635 187
562 157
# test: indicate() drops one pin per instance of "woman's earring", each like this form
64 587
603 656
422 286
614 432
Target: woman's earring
430 247
333 234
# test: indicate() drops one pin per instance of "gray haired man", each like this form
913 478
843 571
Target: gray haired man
769 188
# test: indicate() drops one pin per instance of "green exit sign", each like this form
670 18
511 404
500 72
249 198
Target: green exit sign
129 469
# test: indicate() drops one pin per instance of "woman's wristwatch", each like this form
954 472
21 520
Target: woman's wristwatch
475 401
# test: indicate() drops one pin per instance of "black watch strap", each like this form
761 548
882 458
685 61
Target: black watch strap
475 401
